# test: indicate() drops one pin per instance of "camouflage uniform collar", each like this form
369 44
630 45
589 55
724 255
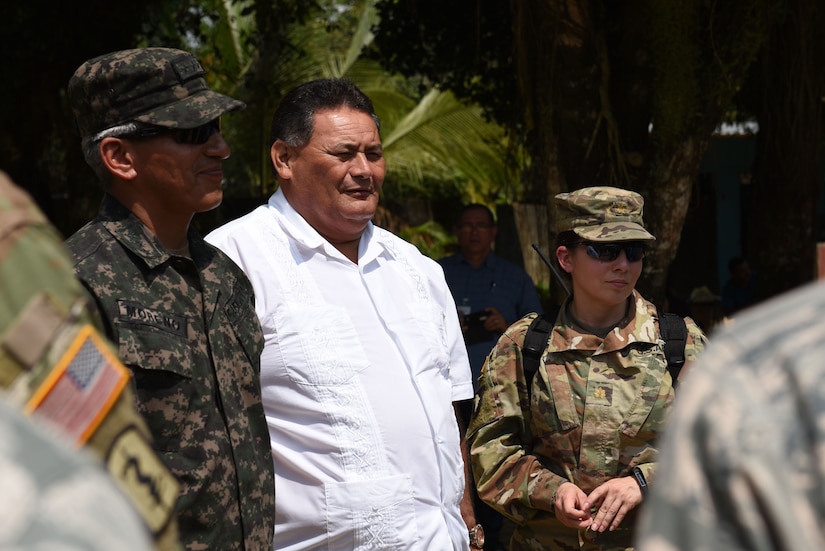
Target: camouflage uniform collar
296 226
132 234
600 332
638 326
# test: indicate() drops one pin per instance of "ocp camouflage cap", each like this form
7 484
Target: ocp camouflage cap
160 86
602 213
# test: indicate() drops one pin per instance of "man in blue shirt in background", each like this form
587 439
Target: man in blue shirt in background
490 294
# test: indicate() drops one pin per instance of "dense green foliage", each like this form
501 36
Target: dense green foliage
254 50
577 86
597 92
463 45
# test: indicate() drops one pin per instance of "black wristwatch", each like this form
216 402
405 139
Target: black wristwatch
640 480
477 537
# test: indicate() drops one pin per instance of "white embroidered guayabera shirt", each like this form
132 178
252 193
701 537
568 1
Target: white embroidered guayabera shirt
360 368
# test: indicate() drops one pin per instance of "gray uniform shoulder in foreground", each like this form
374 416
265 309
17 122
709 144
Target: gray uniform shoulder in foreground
57 498
742 462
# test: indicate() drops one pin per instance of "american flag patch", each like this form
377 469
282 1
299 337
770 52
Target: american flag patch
81 389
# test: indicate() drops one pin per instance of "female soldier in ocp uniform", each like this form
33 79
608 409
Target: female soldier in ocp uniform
570 460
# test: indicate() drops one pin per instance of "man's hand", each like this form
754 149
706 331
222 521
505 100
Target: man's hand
466 505
495 322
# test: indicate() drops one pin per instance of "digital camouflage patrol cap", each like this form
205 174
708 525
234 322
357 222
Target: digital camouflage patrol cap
602 213
159 86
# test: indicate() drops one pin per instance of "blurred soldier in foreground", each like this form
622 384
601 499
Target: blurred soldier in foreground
743 462
54 365
56 498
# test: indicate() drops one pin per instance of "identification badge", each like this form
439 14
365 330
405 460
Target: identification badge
81 389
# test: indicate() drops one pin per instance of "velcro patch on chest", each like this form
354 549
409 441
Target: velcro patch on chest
81 389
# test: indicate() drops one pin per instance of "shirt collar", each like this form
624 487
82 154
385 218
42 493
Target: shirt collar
128 230
489 261
297 227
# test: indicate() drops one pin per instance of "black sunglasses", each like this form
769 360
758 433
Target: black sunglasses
193 136
608 252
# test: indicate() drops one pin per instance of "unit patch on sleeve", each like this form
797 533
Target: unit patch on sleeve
142 475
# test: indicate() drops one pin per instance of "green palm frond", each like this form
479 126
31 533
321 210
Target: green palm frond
361 38
434 146
444 139
231 25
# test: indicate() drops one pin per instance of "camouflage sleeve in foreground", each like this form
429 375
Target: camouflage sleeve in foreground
57 498
506 476
43 312
741 465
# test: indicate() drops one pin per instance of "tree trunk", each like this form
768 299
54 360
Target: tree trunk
780 238
667 199
594 75
561 81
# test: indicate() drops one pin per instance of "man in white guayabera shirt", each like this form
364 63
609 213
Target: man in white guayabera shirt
363 356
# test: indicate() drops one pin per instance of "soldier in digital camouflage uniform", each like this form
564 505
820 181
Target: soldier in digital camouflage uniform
570 466
744 454
179 311
48 331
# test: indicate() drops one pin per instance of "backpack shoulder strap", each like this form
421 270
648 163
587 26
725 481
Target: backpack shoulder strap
673 329
535 341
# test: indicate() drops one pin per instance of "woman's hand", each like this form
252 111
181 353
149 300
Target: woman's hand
614 499
571 506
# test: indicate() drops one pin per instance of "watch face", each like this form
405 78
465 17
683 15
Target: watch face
477 536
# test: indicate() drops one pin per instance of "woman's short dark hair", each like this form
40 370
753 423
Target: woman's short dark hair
566 239
293 121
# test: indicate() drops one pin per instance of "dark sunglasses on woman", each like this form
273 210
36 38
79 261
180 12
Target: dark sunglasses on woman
608 252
